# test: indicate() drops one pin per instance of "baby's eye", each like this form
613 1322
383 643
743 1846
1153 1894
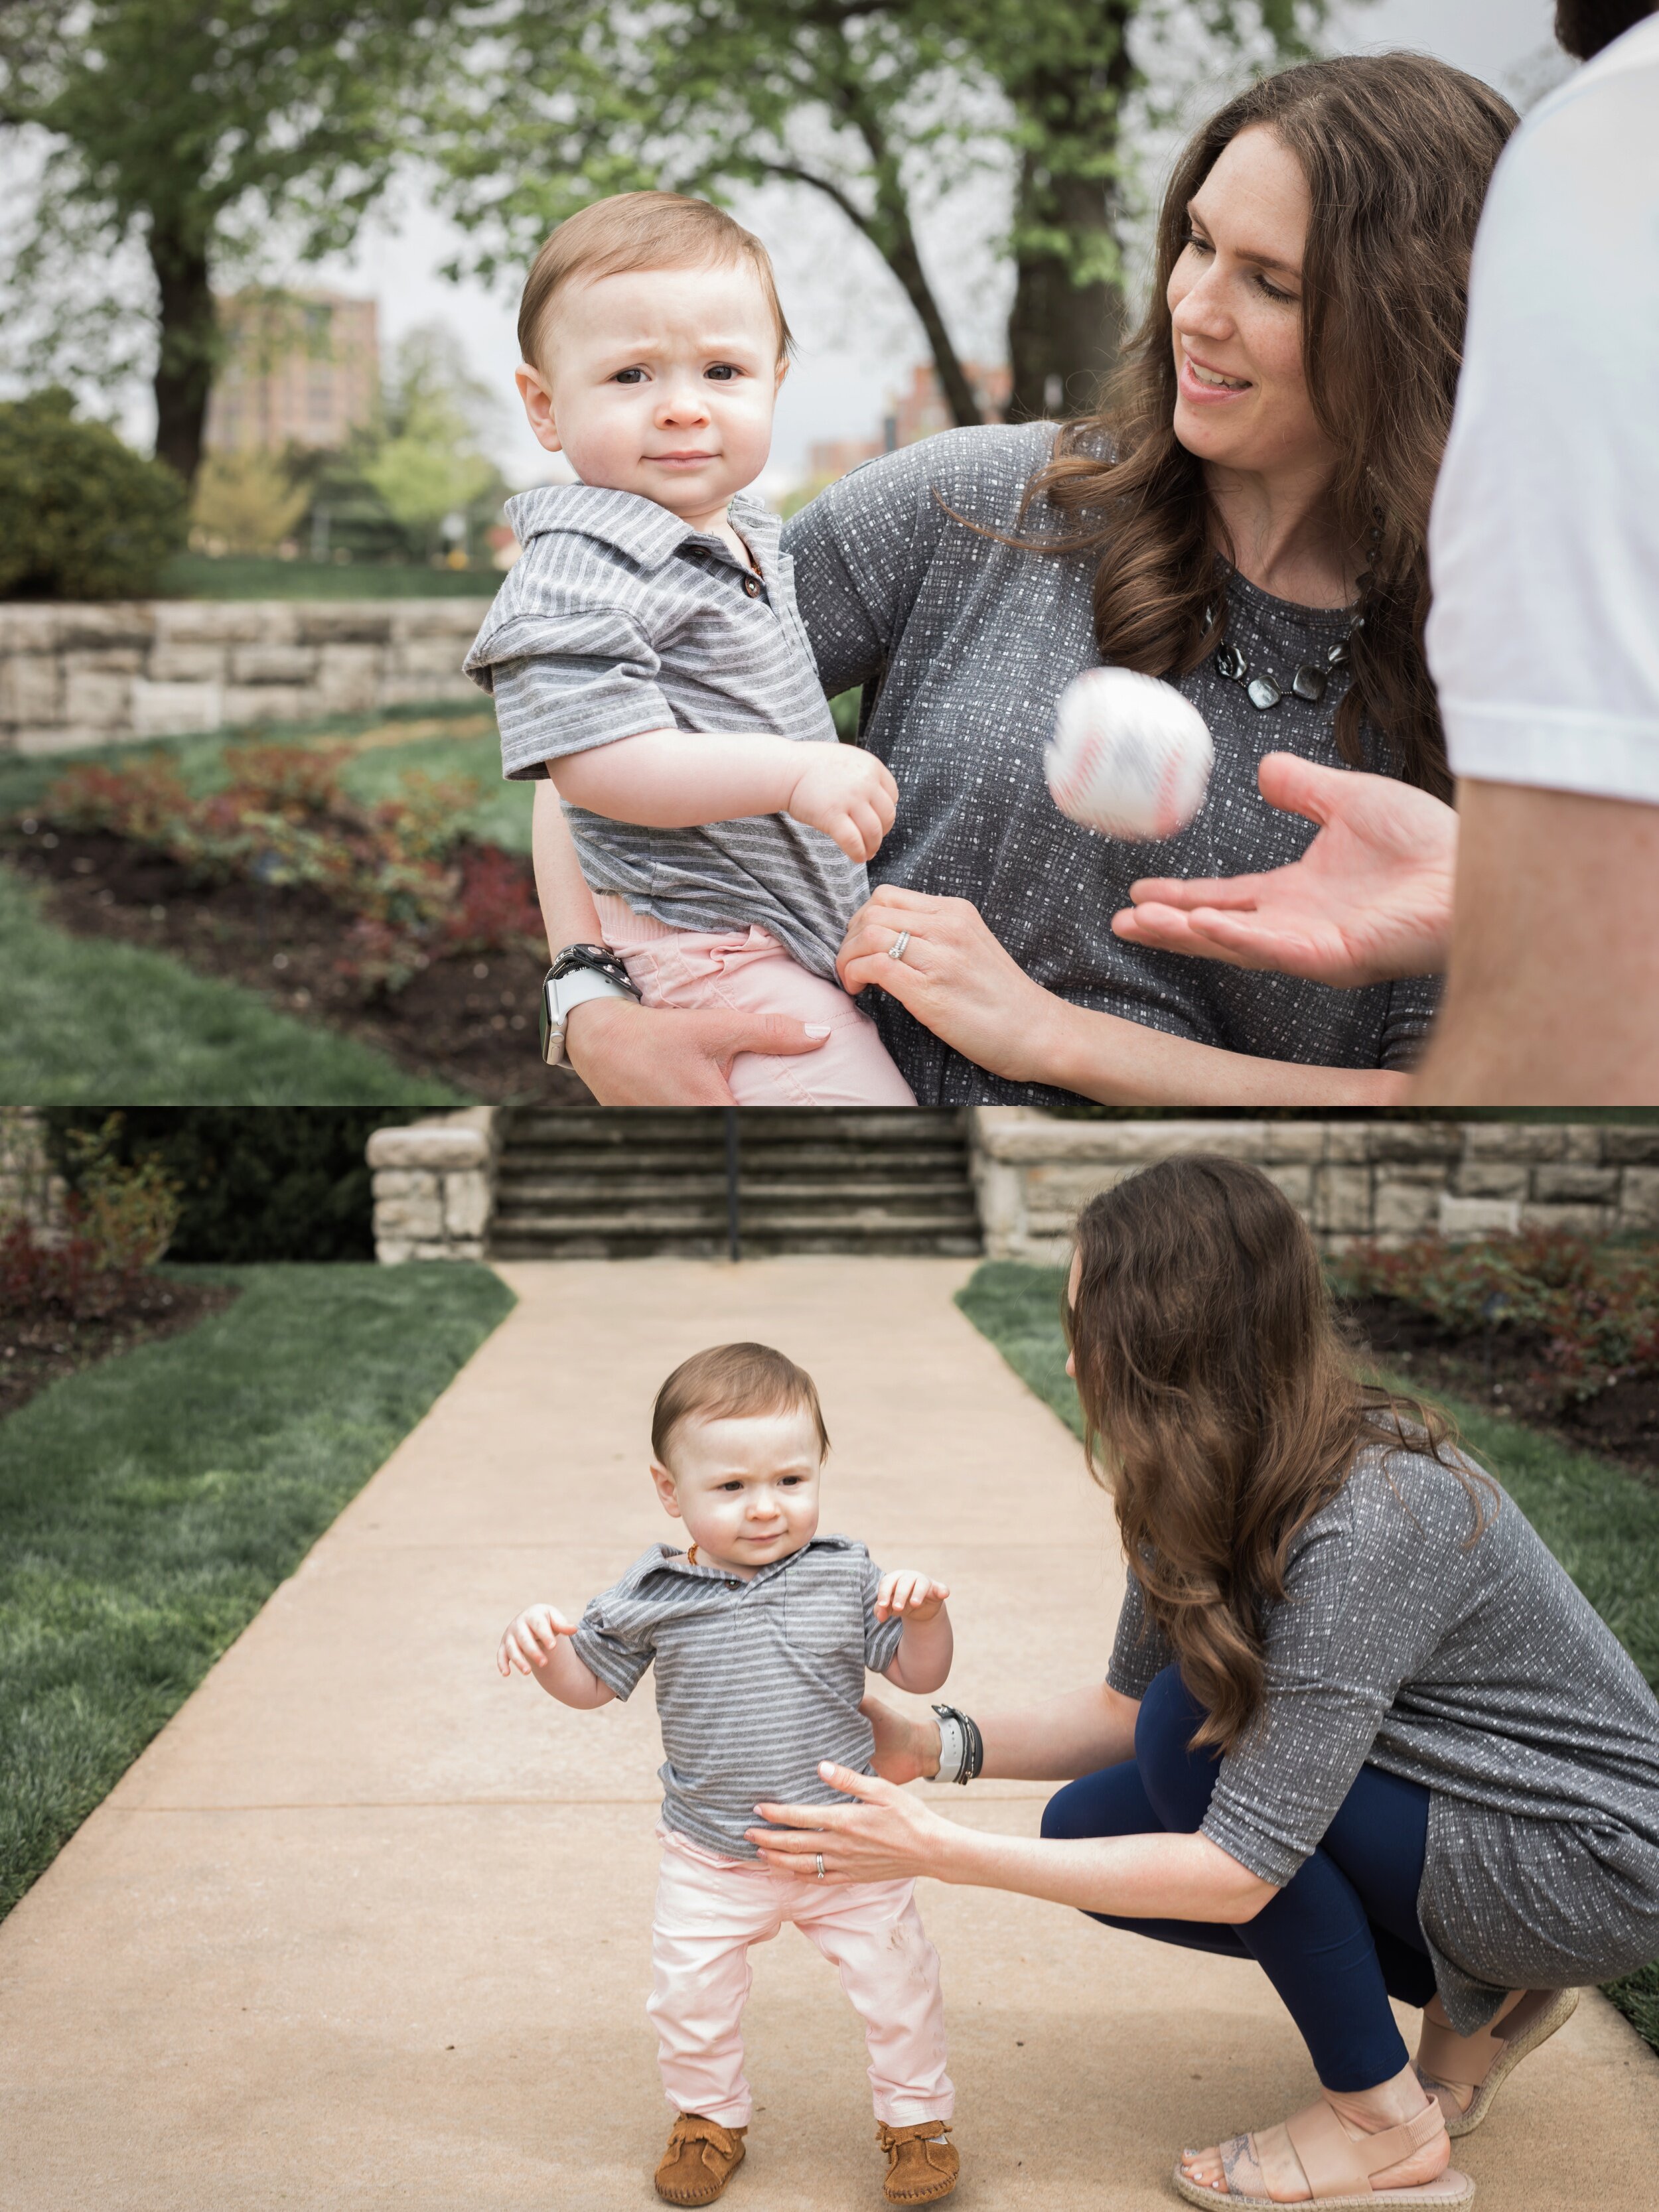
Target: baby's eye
723 371
629 376
792 1481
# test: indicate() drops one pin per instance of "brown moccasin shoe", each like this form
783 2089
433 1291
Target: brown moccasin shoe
920 2164
700 2159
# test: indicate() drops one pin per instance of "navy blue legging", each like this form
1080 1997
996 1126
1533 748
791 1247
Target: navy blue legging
1337 1942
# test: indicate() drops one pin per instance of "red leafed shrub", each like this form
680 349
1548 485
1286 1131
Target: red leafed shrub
119 1221
288 779
495 904
1593 1308
148 801
399 871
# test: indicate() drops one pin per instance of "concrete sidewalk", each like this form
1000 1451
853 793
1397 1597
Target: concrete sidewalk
367 1926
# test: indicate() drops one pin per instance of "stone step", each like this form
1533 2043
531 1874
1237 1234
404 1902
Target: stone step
605 1236
523 1164
640 1181
872 1184
888 1122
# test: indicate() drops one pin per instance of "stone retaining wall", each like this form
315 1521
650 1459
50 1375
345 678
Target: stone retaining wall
434 1183
1350 1179
76 676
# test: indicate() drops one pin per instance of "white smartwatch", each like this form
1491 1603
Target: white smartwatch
580 972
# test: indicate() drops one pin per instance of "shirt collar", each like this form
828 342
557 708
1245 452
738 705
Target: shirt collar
681 1563
635 526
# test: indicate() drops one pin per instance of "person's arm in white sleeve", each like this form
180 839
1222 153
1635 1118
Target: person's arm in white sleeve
1544 639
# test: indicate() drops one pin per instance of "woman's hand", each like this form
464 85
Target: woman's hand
631 1055
955 978
1369 900
886 1837
907 1745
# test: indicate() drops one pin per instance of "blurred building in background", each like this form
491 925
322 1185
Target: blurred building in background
299 369
916 412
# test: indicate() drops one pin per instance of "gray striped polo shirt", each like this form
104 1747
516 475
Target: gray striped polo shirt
617 618
757 1681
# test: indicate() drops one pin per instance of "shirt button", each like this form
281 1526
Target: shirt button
751 585
731 1582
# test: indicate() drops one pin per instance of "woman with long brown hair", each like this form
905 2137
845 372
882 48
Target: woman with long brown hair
1359 1725
1246 517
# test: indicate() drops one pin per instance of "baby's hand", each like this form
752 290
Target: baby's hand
909 1596
847 794
532 1638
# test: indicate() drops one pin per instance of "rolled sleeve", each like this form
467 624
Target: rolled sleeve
616 1656
564 685
881 1638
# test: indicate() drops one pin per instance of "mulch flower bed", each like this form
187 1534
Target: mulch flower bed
467 1018
1561 1333
37 1348
387 922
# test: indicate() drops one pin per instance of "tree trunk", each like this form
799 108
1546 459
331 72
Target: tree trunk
893 235
185 357
1064 335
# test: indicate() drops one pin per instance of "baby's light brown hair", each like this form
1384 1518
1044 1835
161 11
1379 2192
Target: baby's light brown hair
731 1381
641 230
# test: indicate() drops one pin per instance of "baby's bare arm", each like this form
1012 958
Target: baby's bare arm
537 1645
684 779
680 779
923 1658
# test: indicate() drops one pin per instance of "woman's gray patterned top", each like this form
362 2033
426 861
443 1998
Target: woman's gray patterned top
1480 1671
964 645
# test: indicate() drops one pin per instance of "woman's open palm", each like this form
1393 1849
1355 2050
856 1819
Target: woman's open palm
1369 900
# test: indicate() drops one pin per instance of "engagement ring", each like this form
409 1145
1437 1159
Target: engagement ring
899 947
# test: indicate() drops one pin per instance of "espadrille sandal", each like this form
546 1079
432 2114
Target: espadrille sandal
1338 2170
920 2164
700 2159
1483 2061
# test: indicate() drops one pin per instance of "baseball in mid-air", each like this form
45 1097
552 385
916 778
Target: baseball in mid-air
1130 758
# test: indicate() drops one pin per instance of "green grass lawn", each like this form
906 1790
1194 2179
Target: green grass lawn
1601 1522
83 1021
197 576
151 1504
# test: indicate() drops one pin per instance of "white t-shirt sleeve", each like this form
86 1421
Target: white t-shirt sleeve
1544 545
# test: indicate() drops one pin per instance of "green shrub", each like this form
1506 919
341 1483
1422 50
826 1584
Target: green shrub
255 1182
81 516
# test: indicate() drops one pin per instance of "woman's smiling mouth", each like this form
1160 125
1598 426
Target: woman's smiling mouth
1195 373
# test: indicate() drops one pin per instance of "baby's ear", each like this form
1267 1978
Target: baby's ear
666 1492
538 406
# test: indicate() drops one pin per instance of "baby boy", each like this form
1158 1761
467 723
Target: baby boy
760 1631
646 653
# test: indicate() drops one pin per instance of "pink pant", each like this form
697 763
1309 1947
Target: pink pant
709 1910
748 971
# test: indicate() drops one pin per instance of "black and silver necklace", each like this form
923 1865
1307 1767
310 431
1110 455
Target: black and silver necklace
1264 690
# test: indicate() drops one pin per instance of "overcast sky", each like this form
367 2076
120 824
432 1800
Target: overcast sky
858 335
